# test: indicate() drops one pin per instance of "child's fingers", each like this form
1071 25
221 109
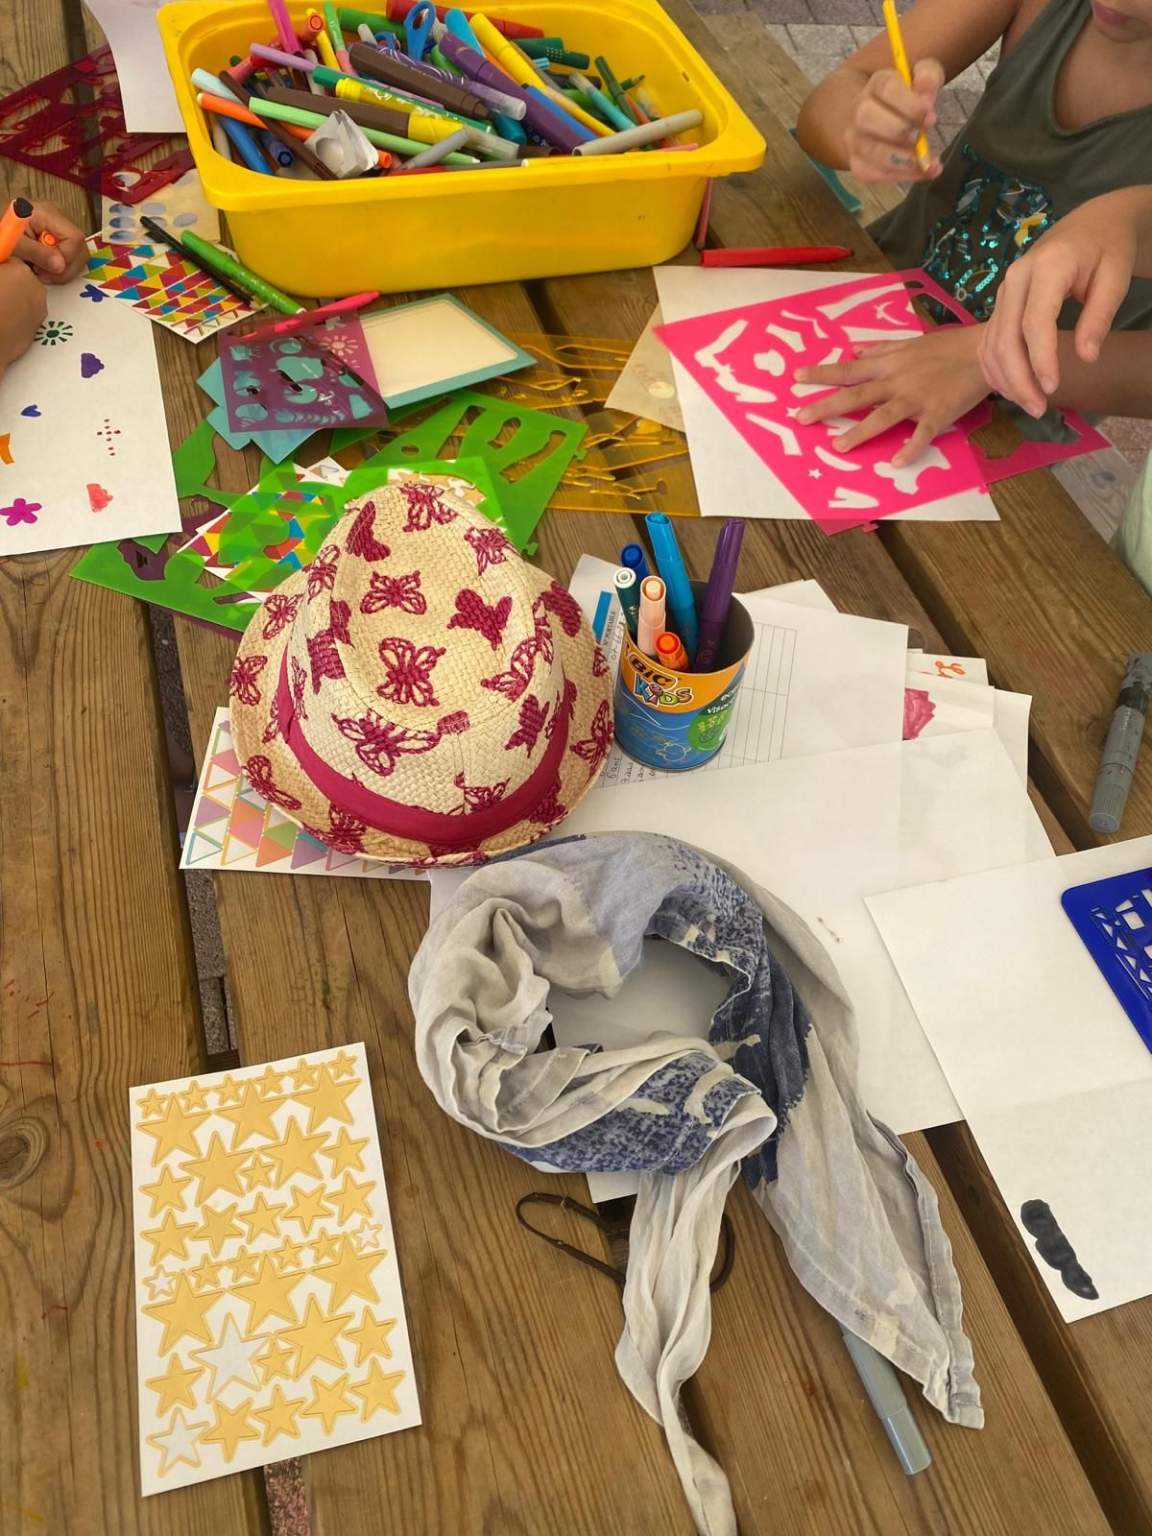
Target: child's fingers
925 431
880 420
1004 356
887 89
928 80
1107 288
46 260
844 401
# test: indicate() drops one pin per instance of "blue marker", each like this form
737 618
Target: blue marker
670 564
632 558
244 143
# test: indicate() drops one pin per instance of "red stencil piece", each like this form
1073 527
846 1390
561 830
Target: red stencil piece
71 124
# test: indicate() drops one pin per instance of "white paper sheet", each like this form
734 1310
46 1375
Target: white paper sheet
1052 1077
141 67
729 474
83 439
963 669
816 681
822 833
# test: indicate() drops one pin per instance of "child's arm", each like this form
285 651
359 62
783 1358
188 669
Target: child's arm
864 119
22 310
1092 255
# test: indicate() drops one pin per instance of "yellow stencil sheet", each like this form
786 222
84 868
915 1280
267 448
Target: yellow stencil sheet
269 1314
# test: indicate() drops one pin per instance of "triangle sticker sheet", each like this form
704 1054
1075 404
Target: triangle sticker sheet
232 827
269 1310
84 454
163 285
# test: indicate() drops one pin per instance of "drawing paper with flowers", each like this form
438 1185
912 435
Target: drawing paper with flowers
746 360
84 454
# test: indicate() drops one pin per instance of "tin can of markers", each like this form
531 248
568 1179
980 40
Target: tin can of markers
676 720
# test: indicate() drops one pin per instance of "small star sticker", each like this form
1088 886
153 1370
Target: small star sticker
232 1427
160 1284
206 1274
217 1226
170 1239
259 1169
305 1074
174 1388
329 1402
343 1066
218 1169
280 1415
276 1361
351 1276
228 1092
152 1104
327 1100
194 1098
378 1390
316 1337
326 1247
252 1116
371 1338
368 1235
345 1154
166 1194
308 1208
174 1132
261 1219
270 1083
177 1443
353 1199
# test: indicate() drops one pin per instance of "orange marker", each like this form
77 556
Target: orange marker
652 609
670 650
46 237
13 225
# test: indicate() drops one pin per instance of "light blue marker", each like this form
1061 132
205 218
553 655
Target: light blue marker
670 564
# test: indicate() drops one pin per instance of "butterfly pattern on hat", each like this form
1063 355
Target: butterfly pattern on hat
489 546
595 748
408 672
487 619
401 592
279 611
242 682
425 506
345 833
258 771
380 743
323 657
362 540
322 571
533 718
478 797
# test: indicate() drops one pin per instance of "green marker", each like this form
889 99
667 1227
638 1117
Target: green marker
227 266
616 90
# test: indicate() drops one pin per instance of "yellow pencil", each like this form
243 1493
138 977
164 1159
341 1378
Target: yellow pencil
900 59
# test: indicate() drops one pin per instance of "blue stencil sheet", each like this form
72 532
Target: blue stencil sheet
1114 919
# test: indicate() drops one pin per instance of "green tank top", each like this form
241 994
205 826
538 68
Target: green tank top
1012 171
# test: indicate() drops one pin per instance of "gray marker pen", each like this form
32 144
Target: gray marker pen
886 1395
1121 750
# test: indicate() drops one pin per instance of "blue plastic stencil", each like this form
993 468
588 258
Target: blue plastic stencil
1114 919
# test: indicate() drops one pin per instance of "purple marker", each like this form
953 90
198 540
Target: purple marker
717 598
539 116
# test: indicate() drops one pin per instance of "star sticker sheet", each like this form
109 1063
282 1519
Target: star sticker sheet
269 1313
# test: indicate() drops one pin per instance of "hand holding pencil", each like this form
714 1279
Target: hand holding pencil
886 137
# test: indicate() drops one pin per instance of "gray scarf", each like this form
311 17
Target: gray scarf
770 1091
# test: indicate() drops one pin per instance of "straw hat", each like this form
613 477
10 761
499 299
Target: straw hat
419 693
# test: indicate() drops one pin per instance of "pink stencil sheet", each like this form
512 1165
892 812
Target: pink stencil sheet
297 380
746 360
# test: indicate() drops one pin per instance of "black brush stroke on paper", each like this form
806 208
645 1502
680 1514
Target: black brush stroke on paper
1055 1249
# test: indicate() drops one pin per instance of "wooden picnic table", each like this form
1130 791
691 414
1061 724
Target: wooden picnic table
526 1426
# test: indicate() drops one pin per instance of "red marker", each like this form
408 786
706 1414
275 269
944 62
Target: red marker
775 256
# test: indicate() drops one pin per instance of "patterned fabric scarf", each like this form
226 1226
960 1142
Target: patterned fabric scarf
769 1090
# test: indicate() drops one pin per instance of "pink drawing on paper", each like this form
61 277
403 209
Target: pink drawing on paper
98 497
20 511
919 712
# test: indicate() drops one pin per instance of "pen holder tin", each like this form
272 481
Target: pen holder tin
679 720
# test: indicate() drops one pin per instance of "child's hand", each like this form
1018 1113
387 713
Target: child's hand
932 380
22 310
1087 256
58 263
888 118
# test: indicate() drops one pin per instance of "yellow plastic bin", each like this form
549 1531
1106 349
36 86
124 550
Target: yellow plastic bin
569 214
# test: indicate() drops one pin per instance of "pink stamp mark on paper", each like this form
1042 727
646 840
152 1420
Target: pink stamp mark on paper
746 361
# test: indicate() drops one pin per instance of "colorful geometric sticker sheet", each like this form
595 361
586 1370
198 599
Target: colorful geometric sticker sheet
54 124
232 827
159 283
83 438
178 207
281 382
746 360
269 1311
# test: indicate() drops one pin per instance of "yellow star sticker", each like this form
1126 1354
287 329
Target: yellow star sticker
343 1066
171 1237
217 1226
194 1098
315 1338
275 1361
259 1169
287 1256
326 1248
183 1315
227 1092
280 1415
244 1267
166 1194
152 1104
296 1154
252 1116
217 1169
268 1295
345 1154
177 1443
329 1401
174 1388
353 1199
175 1132
371 1338
328 1100
271 1083
351 1276
261 1219
305 1074
232 1426
378 1390
308 1207
206 1273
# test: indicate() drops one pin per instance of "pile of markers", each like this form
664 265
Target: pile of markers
661 611
428 89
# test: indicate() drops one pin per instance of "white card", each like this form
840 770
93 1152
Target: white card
84 455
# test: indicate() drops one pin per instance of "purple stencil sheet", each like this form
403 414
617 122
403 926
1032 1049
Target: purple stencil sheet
276 383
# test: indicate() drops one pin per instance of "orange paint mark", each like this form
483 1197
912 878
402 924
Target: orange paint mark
5 450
